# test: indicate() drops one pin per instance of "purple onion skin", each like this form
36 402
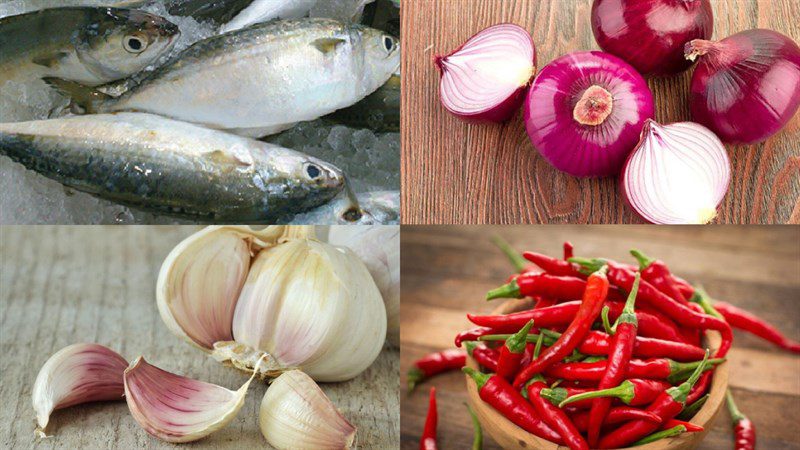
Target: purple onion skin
578 149
733 95
650 34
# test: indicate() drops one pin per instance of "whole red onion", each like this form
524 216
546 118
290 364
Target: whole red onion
746 87
650 34
584 112
485 79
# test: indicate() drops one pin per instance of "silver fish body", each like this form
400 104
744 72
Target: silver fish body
170 167
379 111
90 46
263 79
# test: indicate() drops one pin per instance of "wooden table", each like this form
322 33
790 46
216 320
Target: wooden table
62 285
447 270
456 173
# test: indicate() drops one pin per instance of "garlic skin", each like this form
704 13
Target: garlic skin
295 413
312 306
378 246
78 373
175 408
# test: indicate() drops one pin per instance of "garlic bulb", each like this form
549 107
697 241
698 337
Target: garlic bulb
378 246
277 292
175 408
295 413
78 373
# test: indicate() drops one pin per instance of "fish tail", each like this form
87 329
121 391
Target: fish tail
87 98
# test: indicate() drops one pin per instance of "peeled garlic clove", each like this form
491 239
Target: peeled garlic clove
78 373
312 306
378 246
295 413
175 408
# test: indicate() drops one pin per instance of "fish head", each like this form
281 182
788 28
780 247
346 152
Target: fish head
118 42
306 181
381 56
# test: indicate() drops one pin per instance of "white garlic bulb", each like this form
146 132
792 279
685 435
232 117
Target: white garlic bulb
241 294
378 246
295 413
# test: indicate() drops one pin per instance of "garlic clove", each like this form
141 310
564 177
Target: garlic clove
295 413
78 373
201 278
175 408
312 306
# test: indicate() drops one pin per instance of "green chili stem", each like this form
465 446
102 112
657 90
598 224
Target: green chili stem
644 261
670 432
517 260
477 440
624 392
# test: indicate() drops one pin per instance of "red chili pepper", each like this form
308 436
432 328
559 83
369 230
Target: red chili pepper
543 284
690 427
593 298
743 429
568 250
556 417
509 402
544 302
487 357
473 334
680 313
428 441
657 273
599 343
559 315
554 266
511 353
743 320
435 363
654 368
620 355
633 391
616 415
700 388
666 406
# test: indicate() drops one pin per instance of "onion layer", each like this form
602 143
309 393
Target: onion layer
584 112
747 86
650 35
678 174
485 79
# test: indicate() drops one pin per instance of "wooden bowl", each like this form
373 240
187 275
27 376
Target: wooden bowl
510 436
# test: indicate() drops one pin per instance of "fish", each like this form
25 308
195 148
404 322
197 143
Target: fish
14 7
89 46
175 168
370 208
259 80
265 10
379 111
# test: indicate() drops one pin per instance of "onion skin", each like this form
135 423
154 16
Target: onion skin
677 174
503 110
746 87
570 146
650 34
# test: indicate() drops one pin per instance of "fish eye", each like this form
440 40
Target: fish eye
134 43
313 171
388 43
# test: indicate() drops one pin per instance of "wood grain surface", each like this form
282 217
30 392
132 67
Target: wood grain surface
457 173
63 285
446 271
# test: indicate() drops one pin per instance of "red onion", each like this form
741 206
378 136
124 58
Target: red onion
678 174
747 86
650 34
485 79
584 112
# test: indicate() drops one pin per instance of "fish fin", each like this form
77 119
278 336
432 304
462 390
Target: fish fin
327 45
85 97
50 61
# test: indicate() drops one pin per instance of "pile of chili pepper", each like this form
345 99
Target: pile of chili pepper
618 358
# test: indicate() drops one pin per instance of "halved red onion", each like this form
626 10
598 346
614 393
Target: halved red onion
678 174
746 87
650 35
485 79
584 112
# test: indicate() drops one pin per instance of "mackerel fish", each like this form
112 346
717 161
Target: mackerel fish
170 167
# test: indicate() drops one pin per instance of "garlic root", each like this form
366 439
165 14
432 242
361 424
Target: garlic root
78 373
